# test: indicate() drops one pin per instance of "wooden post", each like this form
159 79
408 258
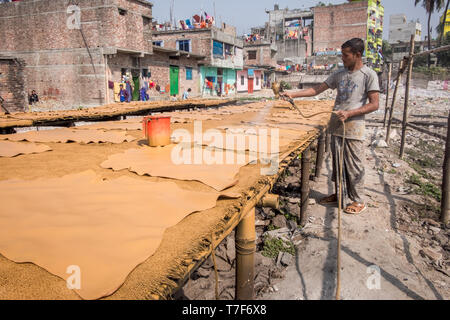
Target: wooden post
320 155
408 83
306 169
105 57
327 141
394 98
245 256
388 87
445 201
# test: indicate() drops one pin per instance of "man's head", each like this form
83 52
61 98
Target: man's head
352 52
33 92
189 90
121 86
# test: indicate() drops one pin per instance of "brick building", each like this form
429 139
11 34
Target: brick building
73 53
259 65
291 31
335 24
221 50
12 84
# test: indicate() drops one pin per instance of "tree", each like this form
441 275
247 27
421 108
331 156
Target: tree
444 56
387 50
442 24
430 6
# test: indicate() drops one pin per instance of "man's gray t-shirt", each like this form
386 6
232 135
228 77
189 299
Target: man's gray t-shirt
352 90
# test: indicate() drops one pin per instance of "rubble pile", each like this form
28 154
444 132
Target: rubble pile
277 236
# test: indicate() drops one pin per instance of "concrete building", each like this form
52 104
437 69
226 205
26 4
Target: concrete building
259 65
400 30
75 55
401 49
222 51
291 31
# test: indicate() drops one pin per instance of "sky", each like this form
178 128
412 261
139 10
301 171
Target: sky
244 14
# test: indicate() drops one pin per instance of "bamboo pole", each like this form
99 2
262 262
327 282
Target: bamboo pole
440 49
408 83
394 98
388 87
270 201
445 201
245 256
320 155
327 141
306 169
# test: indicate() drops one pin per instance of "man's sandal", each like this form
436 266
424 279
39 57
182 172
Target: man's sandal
332 199
355 208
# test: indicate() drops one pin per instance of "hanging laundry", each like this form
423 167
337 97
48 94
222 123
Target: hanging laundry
136 89
110 84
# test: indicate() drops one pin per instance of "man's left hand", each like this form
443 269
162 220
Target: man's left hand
343 115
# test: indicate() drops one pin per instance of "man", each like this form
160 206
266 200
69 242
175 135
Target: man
33 97
355 84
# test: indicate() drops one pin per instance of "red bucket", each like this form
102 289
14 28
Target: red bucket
157 131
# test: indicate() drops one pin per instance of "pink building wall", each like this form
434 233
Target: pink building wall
242 87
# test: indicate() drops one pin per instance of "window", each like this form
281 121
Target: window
136 61
122 12
257 81
242 80
228 49
217 49
184 45
146 73
146 21
158 43
188 73
252 55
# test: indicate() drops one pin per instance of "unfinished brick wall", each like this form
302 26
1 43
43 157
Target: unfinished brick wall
59 65
201 41
333 25
264 55
12 84
43 25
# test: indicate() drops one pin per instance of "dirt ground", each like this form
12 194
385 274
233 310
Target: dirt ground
398 238
395 250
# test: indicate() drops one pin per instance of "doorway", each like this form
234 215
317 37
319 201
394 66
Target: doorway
250 85
174 80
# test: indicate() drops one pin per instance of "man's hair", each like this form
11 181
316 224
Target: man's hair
356 45
189 90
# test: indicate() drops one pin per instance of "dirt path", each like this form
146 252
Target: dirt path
375 240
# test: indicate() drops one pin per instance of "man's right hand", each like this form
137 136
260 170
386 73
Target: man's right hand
286 95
